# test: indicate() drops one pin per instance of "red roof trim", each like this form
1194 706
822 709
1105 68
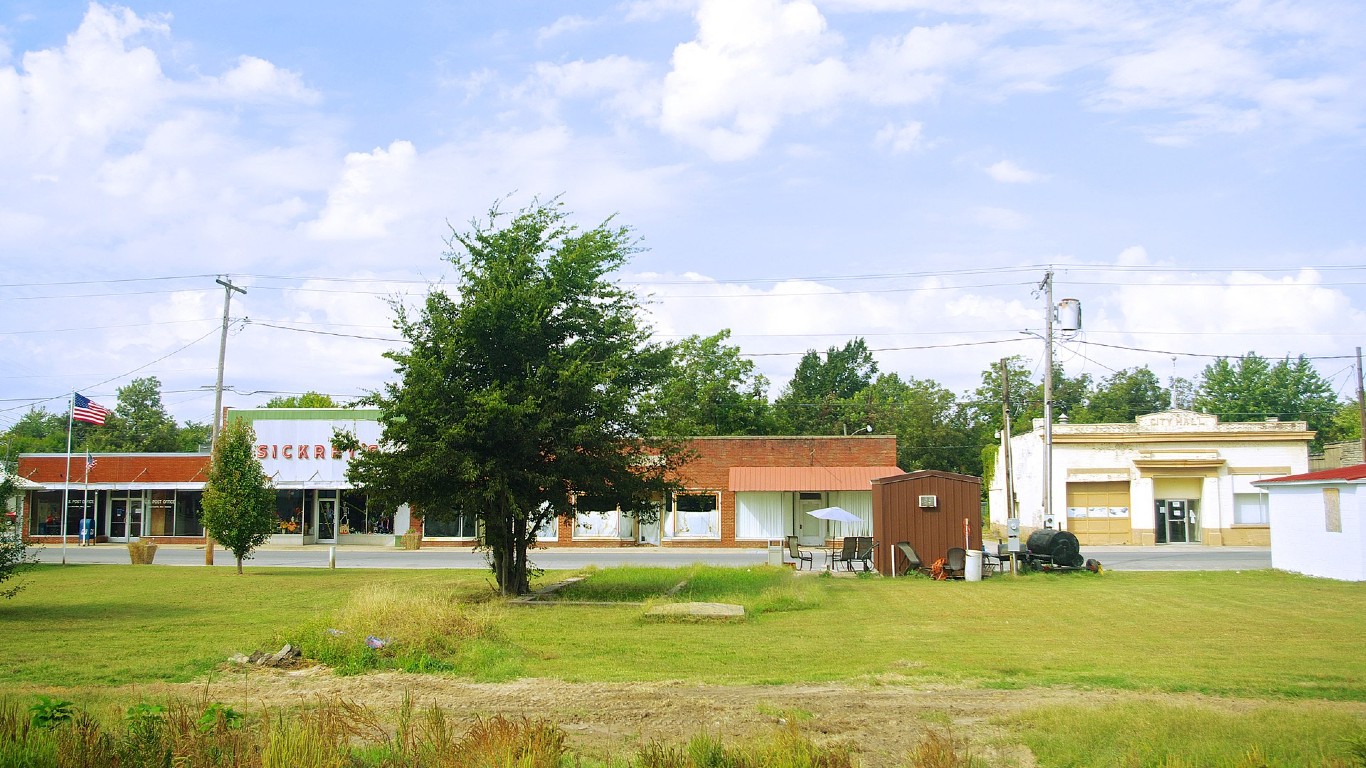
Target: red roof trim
1345 474
807 478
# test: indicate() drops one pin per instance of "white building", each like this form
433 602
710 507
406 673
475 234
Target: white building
1316 523
1171 477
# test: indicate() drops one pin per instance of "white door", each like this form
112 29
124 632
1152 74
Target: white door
809 530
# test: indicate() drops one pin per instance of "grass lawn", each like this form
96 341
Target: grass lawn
1289 647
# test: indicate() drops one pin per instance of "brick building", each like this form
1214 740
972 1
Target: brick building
738 491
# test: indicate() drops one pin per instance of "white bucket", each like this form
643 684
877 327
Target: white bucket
972 569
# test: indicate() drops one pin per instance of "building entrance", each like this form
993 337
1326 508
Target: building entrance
1178 521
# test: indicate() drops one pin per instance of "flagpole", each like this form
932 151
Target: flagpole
85 494
66 489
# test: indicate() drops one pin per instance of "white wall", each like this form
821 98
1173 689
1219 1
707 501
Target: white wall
1300 541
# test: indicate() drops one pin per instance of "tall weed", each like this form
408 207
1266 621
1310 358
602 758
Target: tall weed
389 628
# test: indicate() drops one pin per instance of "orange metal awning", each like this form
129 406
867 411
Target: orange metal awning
807 478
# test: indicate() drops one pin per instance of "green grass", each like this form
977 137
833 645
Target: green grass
91 625
1142 734
760 589
1258 634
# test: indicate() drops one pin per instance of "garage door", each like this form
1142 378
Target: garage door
1099 513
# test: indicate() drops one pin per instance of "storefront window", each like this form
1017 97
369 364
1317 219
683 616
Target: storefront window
289 508
695 516
44 517
358 518
161 514
188 506
456 527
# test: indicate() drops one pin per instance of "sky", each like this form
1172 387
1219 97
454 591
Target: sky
800 172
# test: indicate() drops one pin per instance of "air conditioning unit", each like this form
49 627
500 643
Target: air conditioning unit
928 501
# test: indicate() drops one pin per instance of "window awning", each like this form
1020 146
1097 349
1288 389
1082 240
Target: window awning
807 478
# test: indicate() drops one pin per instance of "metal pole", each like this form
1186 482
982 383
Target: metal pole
228 288
1361 406
1048 397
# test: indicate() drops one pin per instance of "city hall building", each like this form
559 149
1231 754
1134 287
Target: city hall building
736 492
1175 477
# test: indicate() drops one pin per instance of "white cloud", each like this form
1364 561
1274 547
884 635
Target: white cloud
255 78
899 139
754 63
373 192
561 26
1007 172
631 89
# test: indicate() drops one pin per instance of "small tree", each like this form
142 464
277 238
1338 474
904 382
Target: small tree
14 556
239 501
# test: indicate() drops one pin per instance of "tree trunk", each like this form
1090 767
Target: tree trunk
520 539
239 565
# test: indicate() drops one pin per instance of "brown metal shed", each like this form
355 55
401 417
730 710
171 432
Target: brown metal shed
926 508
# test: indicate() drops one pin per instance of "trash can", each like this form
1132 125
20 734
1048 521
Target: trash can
775 554
972 569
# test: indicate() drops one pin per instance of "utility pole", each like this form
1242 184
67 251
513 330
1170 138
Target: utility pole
228 288
1047 287
1008 462
1361 406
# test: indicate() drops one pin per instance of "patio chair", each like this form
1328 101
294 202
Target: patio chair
913 563
795 552
956 563
846 554
864 552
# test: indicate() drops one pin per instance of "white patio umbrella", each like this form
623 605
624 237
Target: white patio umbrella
838 514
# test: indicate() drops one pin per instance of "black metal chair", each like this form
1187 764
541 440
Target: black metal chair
847 553
864 552
795 552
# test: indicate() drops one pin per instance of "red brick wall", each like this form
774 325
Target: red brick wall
710 469
118 468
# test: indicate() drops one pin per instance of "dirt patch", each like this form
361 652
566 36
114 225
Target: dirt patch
882 721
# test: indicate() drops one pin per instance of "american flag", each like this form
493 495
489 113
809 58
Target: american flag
89 462
87 410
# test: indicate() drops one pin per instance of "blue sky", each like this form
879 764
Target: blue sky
801 172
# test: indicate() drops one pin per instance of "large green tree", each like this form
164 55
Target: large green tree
711 390
1124 396
139 422
1252 388
814 401
523 389
37 431
309 399
924 417
239 502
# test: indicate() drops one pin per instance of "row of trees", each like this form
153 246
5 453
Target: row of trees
139 423
715 391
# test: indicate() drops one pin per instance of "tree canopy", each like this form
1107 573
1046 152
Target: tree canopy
524 389
1252 387
811 403
711 390
309 399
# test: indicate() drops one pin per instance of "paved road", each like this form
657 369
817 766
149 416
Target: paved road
1166 558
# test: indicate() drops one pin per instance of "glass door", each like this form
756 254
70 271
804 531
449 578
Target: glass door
135 505
327 518
118 519
1177 522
